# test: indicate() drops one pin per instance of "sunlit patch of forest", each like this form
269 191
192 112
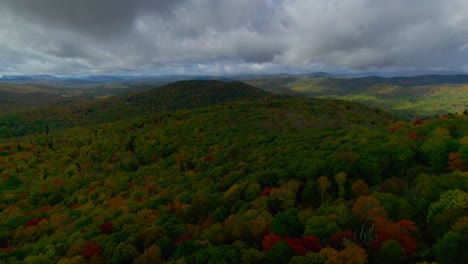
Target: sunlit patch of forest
409 97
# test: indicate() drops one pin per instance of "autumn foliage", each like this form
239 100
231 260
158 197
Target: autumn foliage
91 250
269 240
368 208
300 246
266 191
412 135
360 187
182 239
106 228
399 231
262 181
456 162
339 239
34 222
418 122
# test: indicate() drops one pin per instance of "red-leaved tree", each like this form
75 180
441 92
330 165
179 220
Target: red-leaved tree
338 239
107 228
399 231
91 250
269 240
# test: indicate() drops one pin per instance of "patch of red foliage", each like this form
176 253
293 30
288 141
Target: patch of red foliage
299 245
296 245
304 245
399 231
418 121
269 240
35 222
57 181
91 250
336 241
209 158
412 135
91 189
311 243
182 239
266 191
107 228
394 128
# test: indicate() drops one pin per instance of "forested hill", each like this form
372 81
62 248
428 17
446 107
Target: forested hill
177 95
198 93
281 180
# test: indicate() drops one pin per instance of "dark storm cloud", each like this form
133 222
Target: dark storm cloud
101 18
212 36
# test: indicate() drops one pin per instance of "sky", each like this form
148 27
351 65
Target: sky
215 37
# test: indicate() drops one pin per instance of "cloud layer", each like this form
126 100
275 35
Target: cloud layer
238 36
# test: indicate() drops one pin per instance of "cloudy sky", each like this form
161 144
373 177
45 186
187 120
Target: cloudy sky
66 37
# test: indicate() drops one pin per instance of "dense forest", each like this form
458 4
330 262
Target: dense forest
82 112
251 179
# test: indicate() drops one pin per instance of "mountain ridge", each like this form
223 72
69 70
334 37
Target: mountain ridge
446 77
174 96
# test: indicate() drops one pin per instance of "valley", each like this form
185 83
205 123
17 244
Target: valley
411 97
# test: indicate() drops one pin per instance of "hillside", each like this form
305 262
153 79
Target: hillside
194 93
22 97
277 180
418 96
21 93
174 96
411 97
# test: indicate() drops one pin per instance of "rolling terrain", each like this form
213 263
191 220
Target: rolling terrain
22 97
20 93
174 96
411 97
216 172
419 96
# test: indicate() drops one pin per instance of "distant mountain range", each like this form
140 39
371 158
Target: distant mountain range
29 78
423 95
409 81
436 77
